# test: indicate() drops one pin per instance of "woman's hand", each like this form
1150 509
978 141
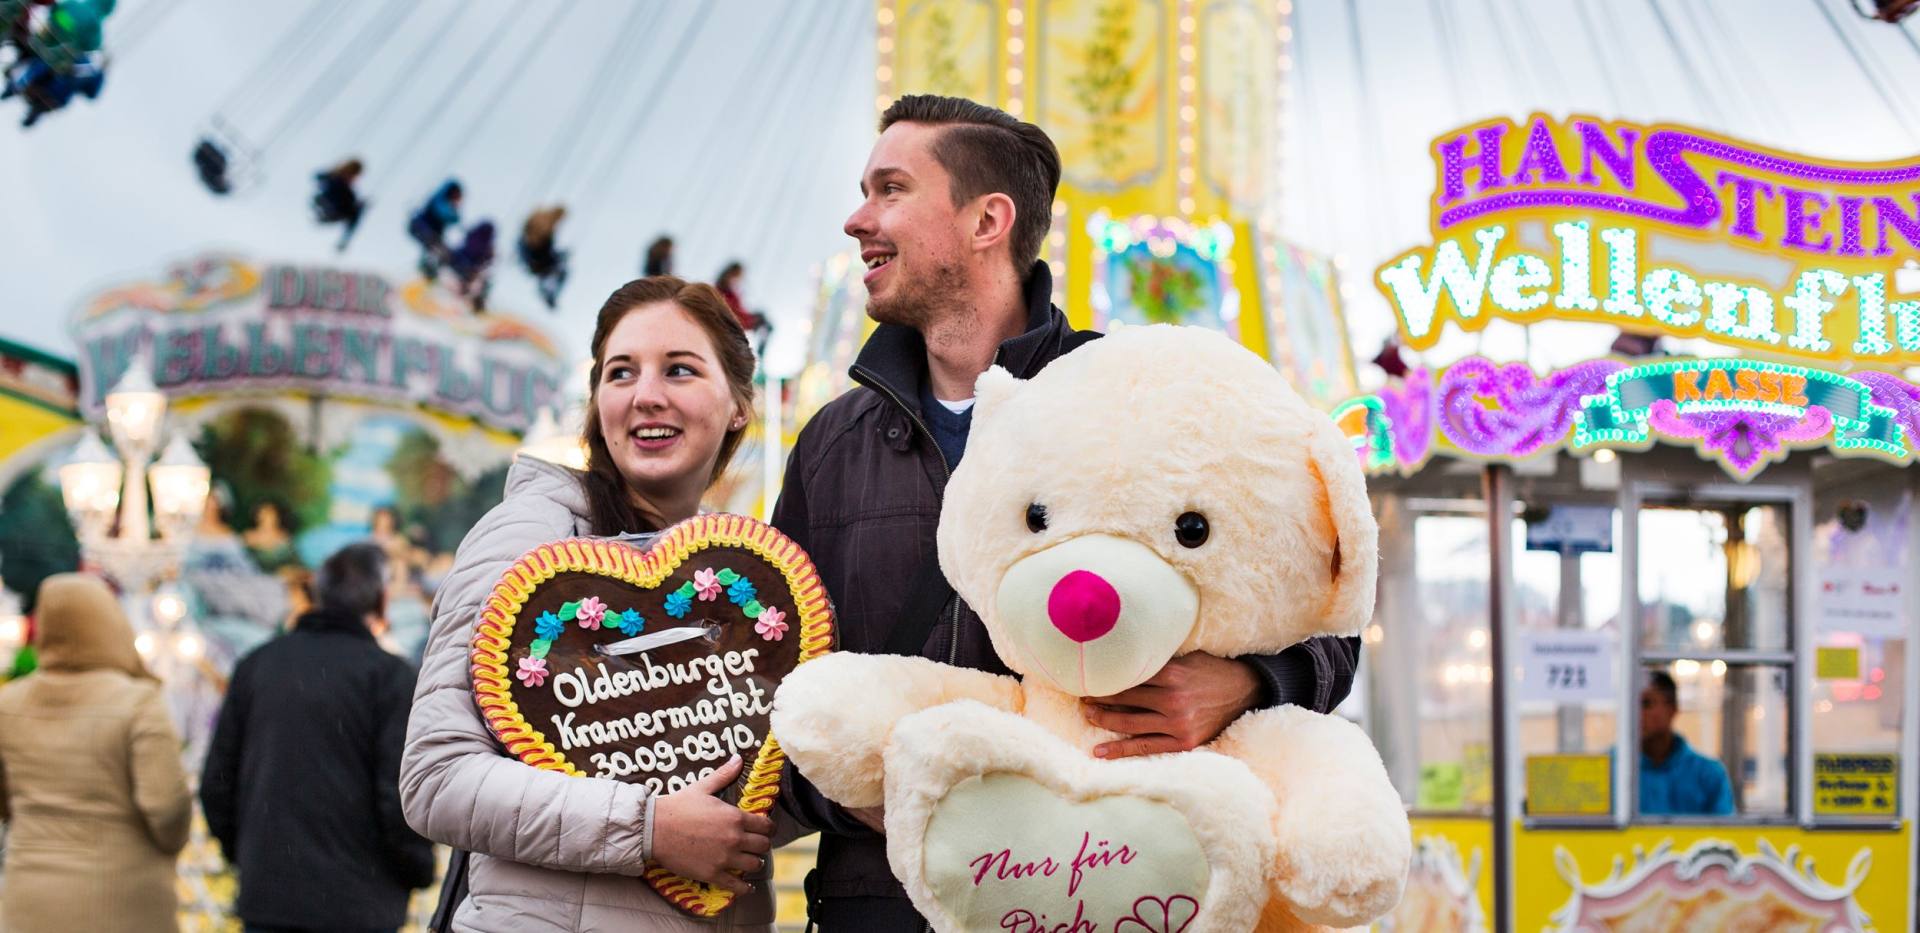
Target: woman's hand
697 835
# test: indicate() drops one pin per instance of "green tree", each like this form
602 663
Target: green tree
255 453
36 540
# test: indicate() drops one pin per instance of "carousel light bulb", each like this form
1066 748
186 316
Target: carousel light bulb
143 643
188 646
1014 17
1015 46
1477 639
169 607
13 630
1703 631
1686 669
1604 455
1719 668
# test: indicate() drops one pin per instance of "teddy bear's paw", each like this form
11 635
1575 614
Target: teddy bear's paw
1345 879
833 739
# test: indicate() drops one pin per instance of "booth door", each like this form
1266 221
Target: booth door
1712 589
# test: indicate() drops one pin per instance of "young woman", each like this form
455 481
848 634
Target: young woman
96 803
672 390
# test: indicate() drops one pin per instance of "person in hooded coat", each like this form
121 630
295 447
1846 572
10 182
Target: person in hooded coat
96 803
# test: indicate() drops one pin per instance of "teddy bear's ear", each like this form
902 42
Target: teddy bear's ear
994 387
1355 561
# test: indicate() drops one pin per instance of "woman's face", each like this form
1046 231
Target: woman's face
663 400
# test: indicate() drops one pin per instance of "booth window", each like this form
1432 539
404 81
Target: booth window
1566 583
1863 537
1716 619
1431 681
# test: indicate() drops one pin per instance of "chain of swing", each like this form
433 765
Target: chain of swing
333 42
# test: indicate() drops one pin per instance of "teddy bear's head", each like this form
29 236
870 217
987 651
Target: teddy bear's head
1160 491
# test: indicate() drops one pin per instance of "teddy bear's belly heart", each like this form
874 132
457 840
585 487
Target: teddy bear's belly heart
1004 853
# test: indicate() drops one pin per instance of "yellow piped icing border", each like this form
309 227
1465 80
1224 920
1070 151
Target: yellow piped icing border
643 568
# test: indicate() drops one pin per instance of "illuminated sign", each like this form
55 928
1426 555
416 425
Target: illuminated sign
1741 413
1594 230
1624 224
217 325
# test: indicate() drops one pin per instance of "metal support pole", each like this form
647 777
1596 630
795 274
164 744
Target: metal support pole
1498 481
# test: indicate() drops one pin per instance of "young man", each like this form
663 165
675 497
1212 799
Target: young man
302 783
1675 780
957 200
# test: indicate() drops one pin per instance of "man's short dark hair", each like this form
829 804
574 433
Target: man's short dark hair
353 581
986 150
1662 683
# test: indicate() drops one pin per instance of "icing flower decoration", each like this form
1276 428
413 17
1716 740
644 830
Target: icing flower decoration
678 602
592 610
631 624
772 624
741 592
533 671
568 611
548 626
707 582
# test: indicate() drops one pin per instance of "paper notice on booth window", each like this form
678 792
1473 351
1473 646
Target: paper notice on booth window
1867 601
1567 666
1840 663
1569 785
1856 784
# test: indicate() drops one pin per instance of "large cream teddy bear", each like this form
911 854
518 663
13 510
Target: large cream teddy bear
1156 492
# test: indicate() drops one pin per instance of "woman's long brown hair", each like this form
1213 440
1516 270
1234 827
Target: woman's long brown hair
610 502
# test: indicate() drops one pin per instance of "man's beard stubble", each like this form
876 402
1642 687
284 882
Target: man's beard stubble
917 303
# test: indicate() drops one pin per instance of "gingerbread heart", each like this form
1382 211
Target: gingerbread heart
597 658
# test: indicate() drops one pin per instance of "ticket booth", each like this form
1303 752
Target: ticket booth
1528 602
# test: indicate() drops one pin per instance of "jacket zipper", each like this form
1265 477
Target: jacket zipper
946 476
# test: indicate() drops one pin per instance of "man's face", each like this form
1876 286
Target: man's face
1656 714
913 239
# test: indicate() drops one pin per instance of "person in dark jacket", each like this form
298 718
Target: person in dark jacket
429 225
301 785
951 236
336 202
472 264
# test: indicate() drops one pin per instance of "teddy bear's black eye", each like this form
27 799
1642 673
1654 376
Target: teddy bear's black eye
1036 518
1190 529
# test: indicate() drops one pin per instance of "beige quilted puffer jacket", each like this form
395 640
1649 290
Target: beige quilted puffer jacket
552 853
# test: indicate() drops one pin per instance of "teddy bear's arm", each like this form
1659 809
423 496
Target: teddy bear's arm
1340 829
833 715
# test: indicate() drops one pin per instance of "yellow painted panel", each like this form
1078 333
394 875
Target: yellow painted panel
1450 888
1672 878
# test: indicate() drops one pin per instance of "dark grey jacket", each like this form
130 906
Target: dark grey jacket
862 495
302 780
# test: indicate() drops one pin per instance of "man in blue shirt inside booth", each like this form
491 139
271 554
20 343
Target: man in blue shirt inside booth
1675 780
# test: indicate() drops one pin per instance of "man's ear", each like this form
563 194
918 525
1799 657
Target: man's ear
994 223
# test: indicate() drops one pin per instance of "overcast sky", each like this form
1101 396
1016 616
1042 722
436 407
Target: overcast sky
748 143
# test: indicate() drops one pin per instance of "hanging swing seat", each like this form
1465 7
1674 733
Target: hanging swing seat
223 160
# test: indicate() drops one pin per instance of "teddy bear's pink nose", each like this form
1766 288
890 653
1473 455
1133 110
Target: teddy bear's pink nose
1083 606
